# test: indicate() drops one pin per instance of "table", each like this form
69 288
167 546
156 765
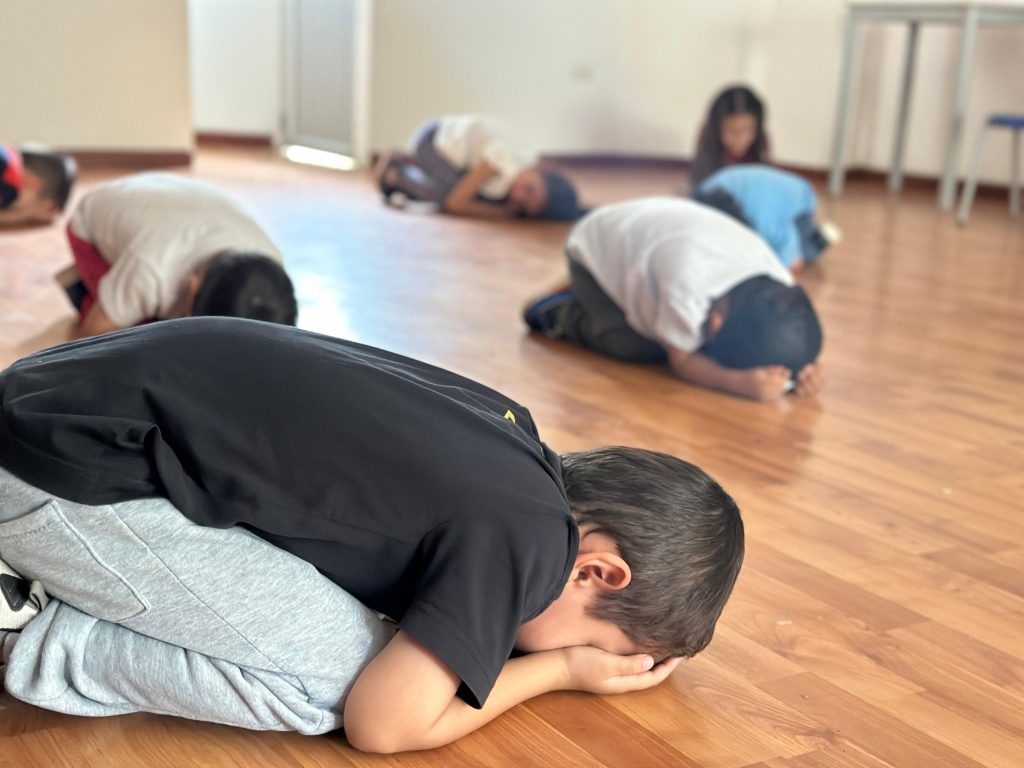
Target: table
969 16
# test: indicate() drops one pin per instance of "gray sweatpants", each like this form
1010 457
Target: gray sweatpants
153 613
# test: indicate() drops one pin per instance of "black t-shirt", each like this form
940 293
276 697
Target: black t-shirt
427 496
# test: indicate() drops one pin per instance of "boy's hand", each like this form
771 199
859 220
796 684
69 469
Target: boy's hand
810 380
768 382
31 212
596 671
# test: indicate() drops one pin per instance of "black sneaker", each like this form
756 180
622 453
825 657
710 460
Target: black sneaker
543 314
21 600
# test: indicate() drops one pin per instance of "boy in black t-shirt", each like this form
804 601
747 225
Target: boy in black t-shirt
35 184
428 497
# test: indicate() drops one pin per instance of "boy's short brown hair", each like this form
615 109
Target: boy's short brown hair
678 530
57 171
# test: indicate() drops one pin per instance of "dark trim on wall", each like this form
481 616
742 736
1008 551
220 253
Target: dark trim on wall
90 158
910 181
818 175
666 162
217 139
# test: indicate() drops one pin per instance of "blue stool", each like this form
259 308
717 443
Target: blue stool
1016 124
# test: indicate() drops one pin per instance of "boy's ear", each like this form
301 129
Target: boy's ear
716 319
195 281
602 571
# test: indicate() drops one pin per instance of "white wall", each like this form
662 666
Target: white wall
98 75
618 76
236 65
611 76
571 76
997 85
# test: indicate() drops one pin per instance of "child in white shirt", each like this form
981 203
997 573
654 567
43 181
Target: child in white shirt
660 279
156 245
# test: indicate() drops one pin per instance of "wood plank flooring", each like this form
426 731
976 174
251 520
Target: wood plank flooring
879 619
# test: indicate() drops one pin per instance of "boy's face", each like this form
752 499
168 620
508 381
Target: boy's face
566 622
529 192
738 133
31 207
716 318
563 625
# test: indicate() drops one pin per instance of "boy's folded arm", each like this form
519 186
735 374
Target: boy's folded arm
702 370
462 200
17 216
766 382
406 699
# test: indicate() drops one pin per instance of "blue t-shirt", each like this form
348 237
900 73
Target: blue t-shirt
771 199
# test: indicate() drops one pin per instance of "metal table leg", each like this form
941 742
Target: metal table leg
1015 175
837 173
900 141
971 184
947 190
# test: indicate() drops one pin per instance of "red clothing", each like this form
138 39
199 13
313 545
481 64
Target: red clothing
12 174
91 267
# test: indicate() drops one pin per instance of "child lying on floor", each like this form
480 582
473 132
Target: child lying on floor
425 496
465 164
35 184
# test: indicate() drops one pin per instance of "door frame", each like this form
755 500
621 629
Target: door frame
362 59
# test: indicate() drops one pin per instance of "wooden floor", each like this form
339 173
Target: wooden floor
879 618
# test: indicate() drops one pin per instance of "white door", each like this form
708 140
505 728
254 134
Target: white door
326 56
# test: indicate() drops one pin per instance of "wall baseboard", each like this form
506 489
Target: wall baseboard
217 139
91 158
666 162
818 175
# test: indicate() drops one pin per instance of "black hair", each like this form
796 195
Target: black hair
678 530
721 200
766 323
734 100
562 203
56 170
249 285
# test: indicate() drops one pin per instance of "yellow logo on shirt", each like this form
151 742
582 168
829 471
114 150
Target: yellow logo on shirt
510 416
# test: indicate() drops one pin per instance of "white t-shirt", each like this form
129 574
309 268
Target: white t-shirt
467 140
663 260
154 229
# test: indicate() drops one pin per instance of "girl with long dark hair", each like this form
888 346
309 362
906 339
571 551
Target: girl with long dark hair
733 133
